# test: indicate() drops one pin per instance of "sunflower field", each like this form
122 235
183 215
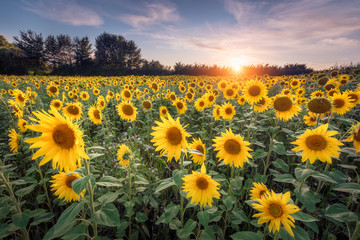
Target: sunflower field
180 157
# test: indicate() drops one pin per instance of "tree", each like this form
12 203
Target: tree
83 50
51 51
32 45
11 58
65 46
114 49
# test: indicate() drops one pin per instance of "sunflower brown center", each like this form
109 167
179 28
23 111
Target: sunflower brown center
201 104
211 98
232 146
357 135
200 149
261 102
319 105
275 210
174 136
21 98
146 104
128 110
223 85
63 136
218 111
254 91
189 95
316 142
228 111
202 183
53 89
353 97
261 193
96 114
338 103
70 179
229 92
343 82
73 110
282 104
179 105
172 97
323 81
330 86
163 111
127 94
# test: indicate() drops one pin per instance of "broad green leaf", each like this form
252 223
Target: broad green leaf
245 235
279 148
109 181
341 213
108 198
323 177
42 217
178 175
303 217
207 234
308 198
204 218
188 227
238 216
285 178
229 201
281 164
259 153
107 216
21 219
353 188
260 178
141 217
164 184
141 180
26 190
78 185
171 211
76 232
301 172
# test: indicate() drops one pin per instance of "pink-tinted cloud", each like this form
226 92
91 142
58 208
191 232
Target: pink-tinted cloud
66 11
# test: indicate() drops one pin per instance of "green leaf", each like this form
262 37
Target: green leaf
65 221
300 234
174 224
303 217
24 191
76 232
141 217
178 175
260 178
245 235
78 185
353 188
308 198
229 201
170 212
204 218
281 164
108 198
107 216
238 216
164 184
279 148
141 180
340 213
21 219
4 211
285 178
301 172
259 153
323 177
109 181
42 217
207 234
313 226
188 227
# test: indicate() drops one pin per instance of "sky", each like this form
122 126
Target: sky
319 33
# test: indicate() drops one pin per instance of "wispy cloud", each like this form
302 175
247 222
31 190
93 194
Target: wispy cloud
66 11
151 14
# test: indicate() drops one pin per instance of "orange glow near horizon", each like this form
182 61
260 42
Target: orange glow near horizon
237 64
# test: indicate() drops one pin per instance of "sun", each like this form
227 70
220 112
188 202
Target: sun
237 64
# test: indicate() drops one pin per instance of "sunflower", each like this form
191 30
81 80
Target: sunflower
100 102
295 83
232 149
73 110
189 96
52 90
170 137
317 94
22 124
95 115
17 108
200 104
227 111
198 145
216 112
275 208
201 188
126 95
254 90
127 111
180 106
13 141
61 141
341 103
318 144
84 96
319 105
56 103
354 96
229 93
147 104
286 91
355 137
96 91
209 98
258 191
62 185
241 100
163 111
333 91
262 105
285 108
19 97
222 85
123 154
310 119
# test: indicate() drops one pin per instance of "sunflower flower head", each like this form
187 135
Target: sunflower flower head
62 185
258 191
201 188
14 141
123 154
355 137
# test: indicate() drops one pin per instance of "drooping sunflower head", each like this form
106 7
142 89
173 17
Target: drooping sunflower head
198 145
14 141
318 144
95 115
319 105
285 107
258 190
227 111
262 105
127 111
123 155
201 188
355 137
22 124
19 97
61 141
274 208
169 137
73 110
310 119
254 90
216 112
62 185
232 149
354 96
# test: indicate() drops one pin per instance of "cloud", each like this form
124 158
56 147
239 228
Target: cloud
151 14
66 11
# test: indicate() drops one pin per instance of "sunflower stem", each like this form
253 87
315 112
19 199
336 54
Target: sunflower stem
130 198
91 196
44 186
276 237
181 197
356 232
302 182
320 182
232 177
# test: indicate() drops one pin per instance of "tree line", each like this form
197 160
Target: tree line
111 55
